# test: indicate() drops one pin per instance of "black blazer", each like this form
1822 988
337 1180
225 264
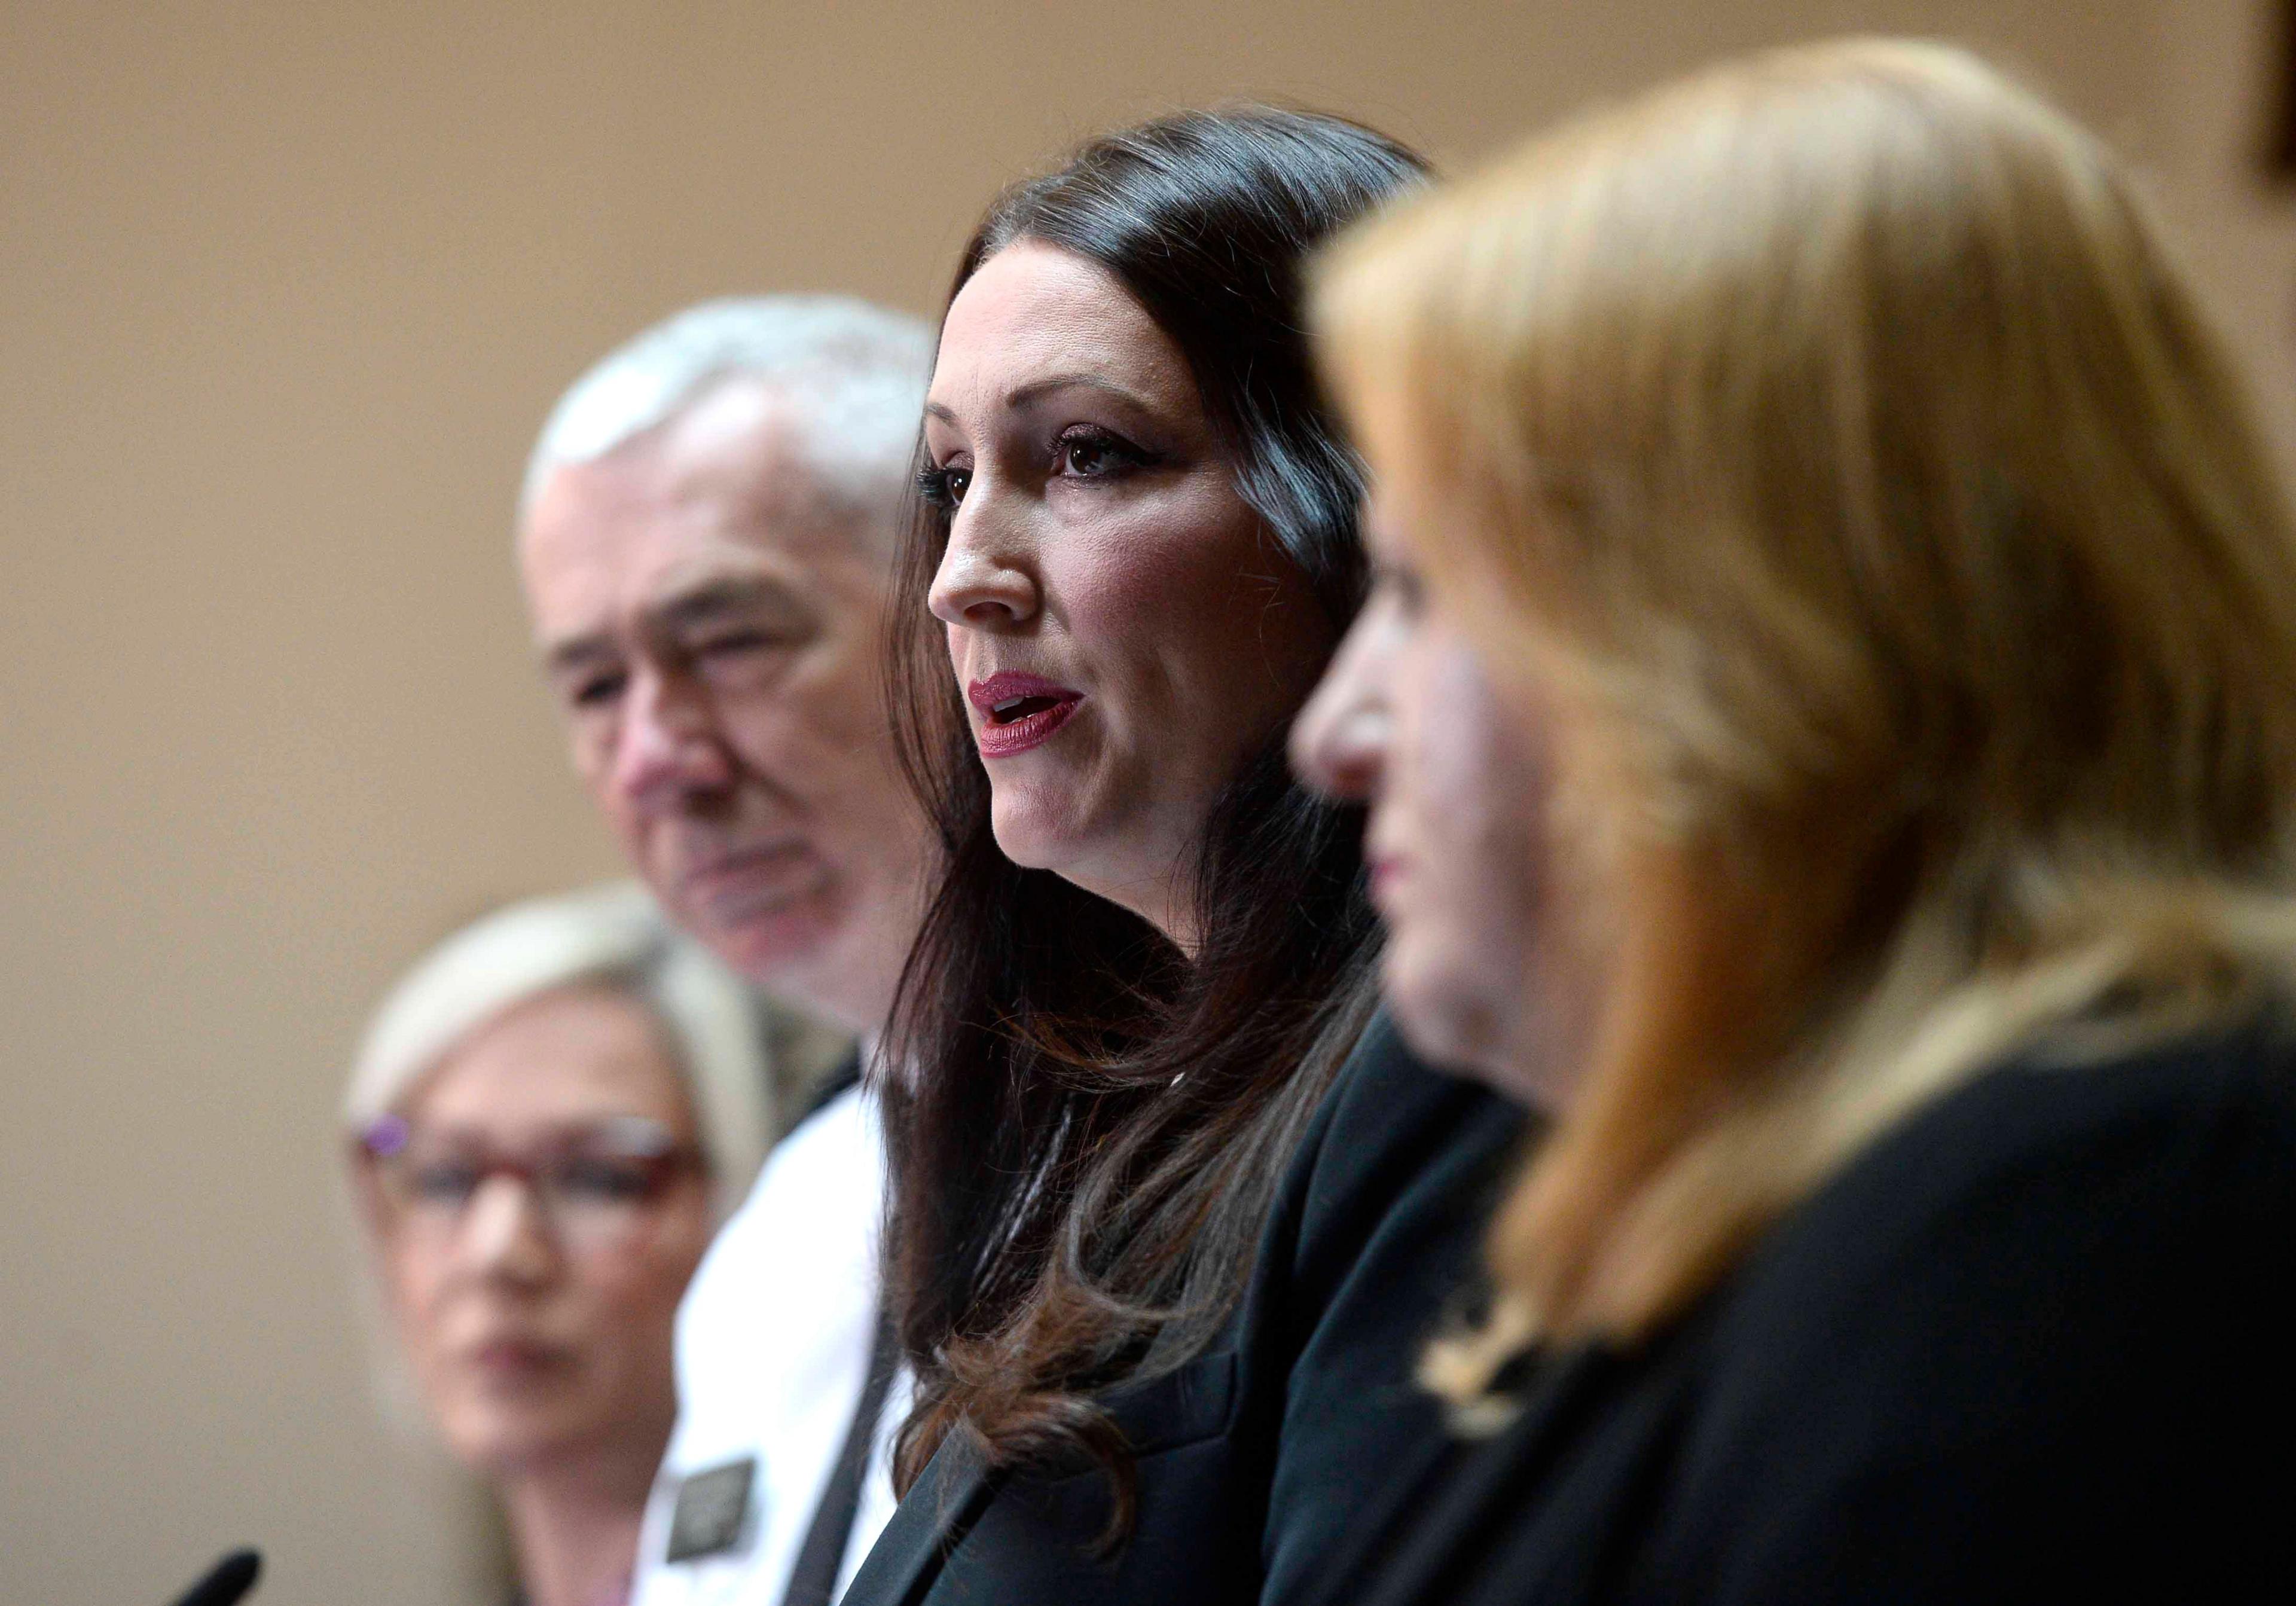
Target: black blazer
2033 1346
1257 1457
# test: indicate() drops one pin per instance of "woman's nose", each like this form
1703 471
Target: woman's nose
505 1232
986 580
1339 741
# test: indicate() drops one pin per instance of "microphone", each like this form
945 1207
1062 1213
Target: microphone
227 1582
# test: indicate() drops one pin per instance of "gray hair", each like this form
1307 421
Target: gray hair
613 936
856 372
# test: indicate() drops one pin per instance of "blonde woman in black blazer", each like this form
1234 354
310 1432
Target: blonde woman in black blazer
1838 612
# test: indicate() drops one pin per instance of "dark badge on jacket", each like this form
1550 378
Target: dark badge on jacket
712 1512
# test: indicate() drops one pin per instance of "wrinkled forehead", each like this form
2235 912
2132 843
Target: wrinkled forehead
725 490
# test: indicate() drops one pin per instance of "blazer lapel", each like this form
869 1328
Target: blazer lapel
932 1521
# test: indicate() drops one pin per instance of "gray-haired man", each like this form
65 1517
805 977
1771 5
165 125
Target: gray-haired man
705 536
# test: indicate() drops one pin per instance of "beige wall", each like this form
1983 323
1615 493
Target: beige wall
287 287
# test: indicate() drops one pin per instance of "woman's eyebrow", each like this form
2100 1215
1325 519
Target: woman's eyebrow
1036 391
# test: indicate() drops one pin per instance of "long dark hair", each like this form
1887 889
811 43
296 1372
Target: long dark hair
1091 1126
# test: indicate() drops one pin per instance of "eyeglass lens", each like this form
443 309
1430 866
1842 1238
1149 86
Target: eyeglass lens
592 1185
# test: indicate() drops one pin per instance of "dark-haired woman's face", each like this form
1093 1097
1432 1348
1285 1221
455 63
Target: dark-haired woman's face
1124 630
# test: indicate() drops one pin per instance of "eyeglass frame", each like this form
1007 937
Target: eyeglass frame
383 1140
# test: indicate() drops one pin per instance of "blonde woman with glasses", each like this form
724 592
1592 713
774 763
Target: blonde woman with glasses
1829 712
549 1116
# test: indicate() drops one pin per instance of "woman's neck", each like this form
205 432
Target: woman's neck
1165 898
575 1529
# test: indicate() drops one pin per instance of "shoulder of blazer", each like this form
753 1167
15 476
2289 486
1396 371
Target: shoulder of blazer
2034 1147
1965 1369
1995 1326
1372 1239
1391 1139
1385 1153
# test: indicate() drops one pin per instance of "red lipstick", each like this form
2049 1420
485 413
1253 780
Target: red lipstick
1018 711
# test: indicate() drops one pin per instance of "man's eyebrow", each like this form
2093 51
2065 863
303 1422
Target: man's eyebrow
687 608
714 599
577 653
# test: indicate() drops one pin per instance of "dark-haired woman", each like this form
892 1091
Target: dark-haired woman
1167 1229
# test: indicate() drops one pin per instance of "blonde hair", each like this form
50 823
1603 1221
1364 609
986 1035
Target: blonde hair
722 1032
747 1064
1836 422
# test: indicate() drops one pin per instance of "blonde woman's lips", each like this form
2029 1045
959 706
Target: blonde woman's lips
516 1360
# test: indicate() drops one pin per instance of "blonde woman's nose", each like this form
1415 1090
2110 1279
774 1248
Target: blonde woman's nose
1339 741
505 1232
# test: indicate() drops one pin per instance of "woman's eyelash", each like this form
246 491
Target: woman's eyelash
1088 439
943 488
1090 452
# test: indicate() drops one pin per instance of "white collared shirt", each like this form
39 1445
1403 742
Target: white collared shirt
774 1340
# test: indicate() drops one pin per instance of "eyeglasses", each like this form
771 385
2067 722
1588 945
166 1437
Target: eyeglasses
594 1185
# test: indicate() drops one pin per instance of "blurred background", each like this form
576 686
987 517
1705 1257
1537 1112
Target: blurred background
287 291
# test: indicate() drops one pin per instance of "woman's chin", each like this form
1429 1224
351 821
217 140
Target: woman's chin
1034 836
501 1438
506 1449
1444 1016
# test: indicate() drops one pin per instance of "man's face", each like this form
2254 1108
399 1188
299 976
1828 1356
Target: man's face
711 622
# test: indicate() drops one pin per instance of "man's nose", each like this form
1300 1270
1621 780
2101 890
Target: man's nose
505 1234
668 748
986 580
1339 741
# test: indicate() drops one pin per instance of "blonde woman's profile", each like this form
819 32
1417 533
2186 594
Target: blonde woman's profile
1821 531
